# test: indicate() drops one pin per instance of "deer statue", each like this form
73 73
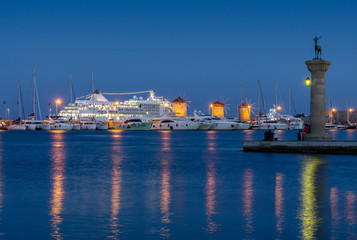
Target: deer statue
317 48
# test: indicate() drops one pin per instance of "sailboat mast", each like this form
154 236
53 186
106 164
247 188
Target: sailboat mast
92 83
258 95
34 92
19 96
92 93
348 110
70 87
289 103
276 94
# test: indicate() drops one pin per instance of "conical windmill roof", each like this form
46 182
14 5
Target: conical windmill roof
179 99
218 103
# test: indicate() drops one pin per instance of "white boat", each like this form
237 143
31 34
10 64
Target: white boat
45 126
173 123
88 125
205 121
270 125
33 124
342 126
134 124
101 125
281 122
223 124
76 127
331 126
59 124
17 126
242 125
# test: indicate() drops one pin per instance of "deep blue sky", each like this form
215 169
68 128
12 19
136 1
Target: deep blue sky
200 49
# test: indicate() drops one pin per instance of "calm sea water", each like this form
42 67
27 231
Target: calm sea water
171 185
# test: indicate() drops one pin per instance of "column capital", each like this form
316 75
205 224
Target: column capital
317 65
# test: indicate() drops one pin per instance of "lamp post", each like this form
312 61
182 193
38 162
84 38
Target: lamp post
8 114
308 82
58 101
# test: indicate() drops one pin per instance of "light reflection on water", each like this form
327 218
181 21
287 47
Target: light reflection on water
350 212
248 201
116 181
142 177
334 212
311 198
279 203
165 187
57 179
212 226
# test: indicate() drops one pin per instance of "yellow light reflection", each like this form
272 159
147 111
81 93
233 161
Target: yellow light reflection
165 139
116 181
310 198
350 213
57 178
211 137
115 133
279 203
248 200
165 188
211 197
334 212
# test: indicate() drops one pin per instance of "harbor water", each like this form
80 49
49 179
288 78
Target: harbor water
171 185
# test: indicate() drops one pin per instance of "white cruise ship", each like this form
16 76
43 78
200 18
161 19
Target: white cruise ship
105 110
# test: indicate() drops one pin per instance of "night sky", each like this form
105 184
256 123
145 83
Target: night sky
202 50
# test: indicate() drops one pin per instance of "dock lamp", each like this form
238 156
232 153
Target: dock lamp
308 82
58 101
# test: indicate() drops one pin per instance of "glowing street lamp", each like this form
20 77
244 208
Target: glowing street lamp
278 108
308 82
58 101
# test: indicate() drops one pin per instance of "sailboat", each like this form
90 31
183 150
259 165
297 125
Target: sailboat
18 124
33 124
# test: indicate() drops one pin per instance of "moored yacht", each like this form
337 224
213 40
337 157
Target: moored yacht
243 125
101 125
16 125
174 123
205 121
222 124
88 125
134 124
59 124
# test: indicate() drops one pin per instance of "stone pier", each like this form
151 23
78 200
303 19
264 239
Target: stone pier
317 67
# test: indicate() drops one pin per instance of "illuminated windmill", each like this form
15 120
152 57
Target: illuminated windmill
179 106
244 112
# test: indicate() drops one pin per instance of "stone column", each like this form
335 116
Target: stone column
317 67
